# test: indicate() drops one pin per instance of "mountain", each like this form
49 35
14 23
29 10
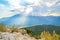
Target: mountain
37 29
31 20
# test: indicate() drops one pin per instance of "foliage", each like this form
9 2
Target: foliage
3 29
46 35
40 31
39 28
27 31
14 29
55 36
23 30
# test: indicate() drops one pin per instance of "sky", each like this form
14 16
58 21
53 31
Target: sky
25 8
9 8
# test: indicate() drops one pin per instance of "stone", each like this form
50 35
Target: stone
15 36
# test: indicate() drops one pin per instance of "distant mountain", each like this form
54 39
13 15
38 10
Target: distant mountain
37 29
31 20
10 20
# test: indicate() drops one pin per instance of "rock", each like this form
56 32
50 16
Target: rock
15 36
1 39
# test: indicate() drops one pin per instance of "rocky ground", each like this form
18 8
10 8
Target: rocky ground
15 36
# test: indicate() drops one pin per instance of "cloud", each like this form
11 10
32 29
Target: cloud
55 14
50 3
29 7
14 3
19 5
50 8
28 10
5 12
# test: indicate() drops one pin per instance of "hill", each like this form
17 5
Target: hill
40 28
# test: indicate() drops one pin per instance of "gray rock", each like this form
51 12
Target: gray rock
15 36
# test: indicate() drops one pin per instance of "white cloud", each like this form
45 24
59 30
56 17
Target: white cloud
55 14
30 1
51 14
27 11
50 3
4 11
36 2
16 5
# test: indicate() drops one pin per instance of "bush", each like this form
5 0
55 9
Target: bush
14 29
3 29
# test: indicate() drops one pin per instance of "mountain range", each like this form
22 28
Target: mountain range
31 20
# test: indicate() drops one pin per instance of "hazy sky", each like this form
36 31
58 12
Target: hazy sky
9 8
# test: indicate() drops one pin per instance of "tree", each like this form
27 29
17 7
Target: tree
30 32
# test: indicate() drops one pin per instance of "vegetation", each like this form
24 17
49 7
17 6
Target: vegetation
3 28
47 32
23 30
14 29
40 28
48 36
